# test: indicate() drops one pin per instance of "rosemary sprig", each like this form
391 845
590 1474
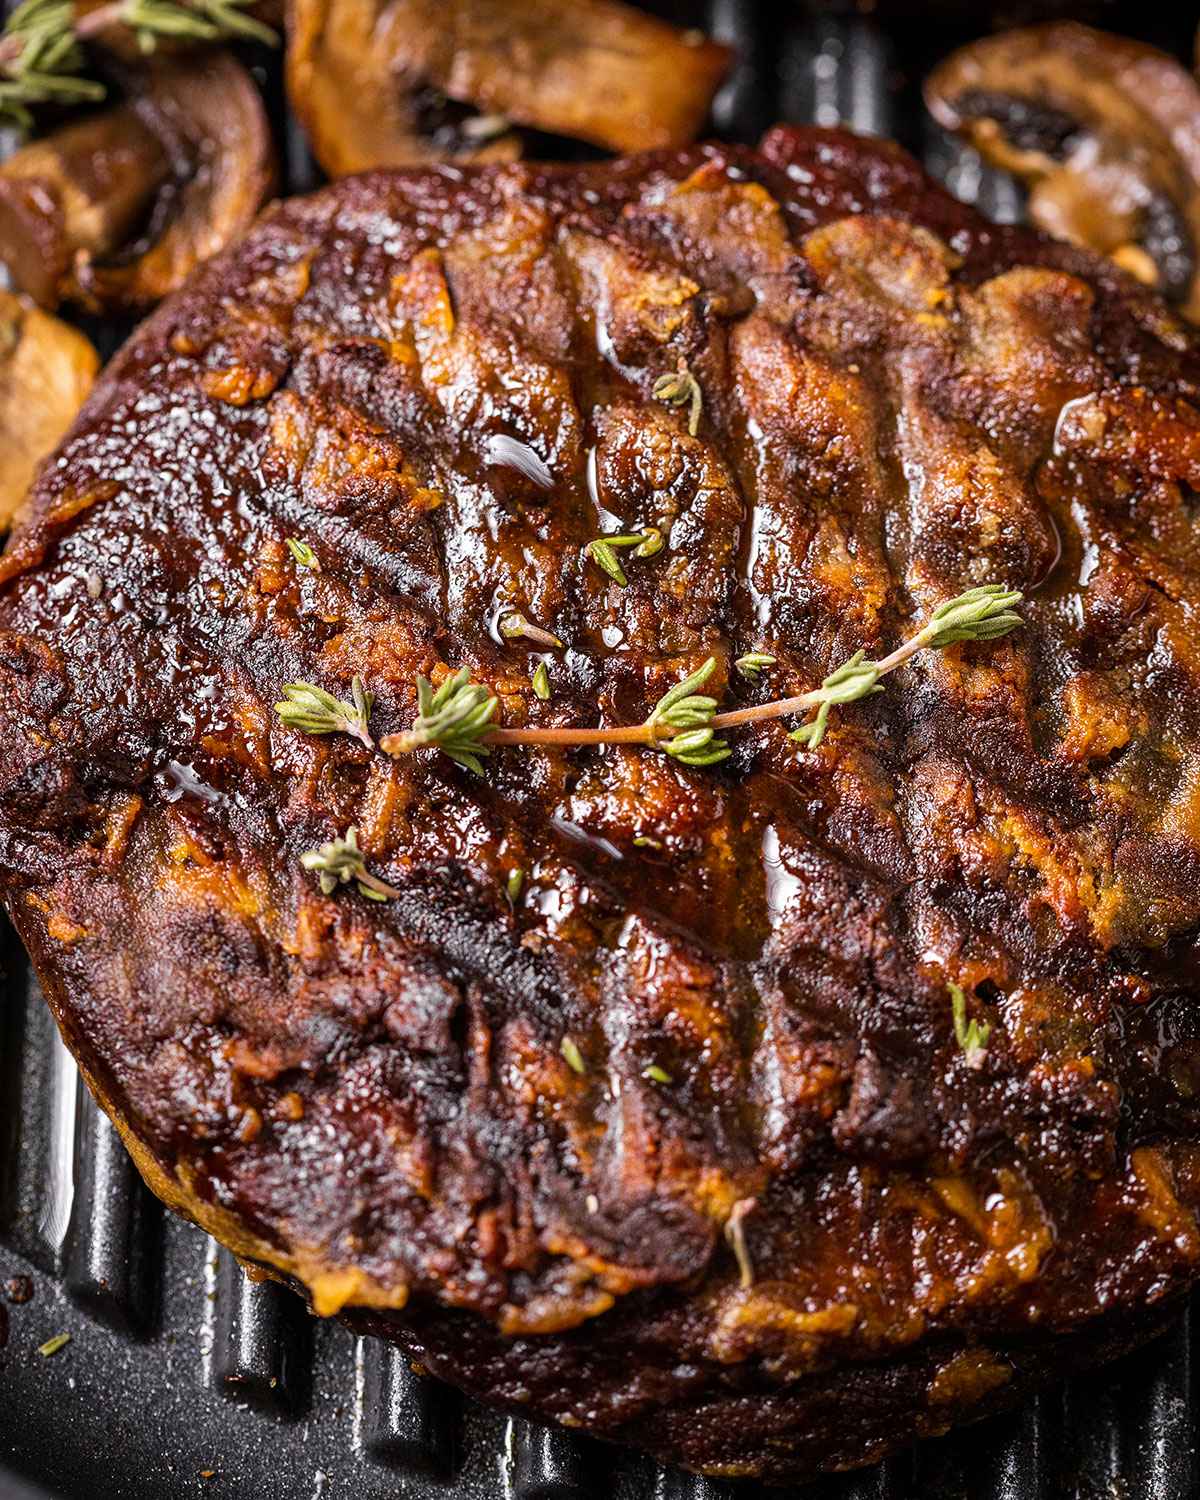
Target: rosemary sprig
42 56
751 665
303 553
315 711
340 861
971 1036
602 550
39 58
515 627
681 389
458 719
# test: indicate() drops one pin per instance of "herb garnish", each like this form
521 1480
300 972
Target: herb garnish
340 861
656 1074
752 664
692 714
52 1346
303 553
602 550
516 625
315 711
42 56
573 1056
461 724
541 682
681 389
971 1036
455 719
735 1238
512 886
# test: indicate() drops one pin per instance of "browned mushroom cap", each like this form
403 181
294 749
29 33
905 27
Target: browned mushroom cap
1105 130
384 82
46 371
114 211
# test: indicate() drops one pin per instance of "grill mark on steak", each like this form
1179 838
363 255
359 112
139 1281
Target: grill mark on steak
899 401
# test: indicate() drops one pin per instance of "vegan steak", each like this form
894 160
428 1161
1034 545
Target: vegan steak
764 1105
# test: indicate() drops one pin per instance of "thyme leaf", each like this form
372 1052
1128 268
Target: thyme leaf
853 680
314 711
573 1056
980 614
340 861
514 883
52 1346
541 682
303 553
681 389
602 550
656 1074
683 709
752 664
971 1036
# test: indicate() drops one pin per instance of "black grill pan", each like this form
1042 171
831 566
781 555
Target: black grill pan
184 1379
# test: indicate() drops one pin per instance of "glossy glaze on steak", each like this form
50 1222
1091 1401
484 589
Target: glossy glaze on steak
442 380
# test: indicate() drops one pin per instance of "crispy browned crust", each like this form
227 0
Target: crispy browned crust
372 1101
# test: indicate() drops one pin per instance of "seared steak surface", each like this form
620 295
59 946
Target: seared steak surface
831 1227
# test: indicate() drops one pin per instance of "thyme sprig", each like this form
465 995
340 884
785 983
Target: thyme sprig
42 54
340 861
971 1036
602 550
691 713
681 389
455 718
311 709
853 680
458 721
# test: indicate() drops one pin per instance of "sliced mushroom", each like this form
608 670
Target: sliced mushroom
115 210
46 371
1105 131
382 83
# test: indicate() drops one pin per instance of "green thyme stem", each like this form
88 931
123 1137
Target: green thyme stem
457 720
